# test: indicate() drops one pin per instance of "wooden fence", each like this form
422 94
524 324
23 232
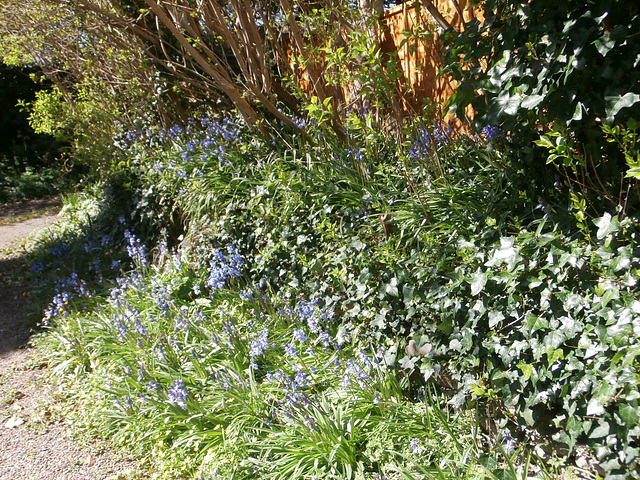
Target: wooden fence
410 31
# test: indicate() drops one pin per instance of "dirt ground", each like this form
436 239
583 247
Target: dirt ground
35 441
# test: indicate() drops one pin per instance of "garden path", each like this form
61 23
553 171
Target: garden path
35 441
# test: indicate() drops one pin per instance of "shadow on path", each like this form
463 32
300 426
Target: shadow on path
24 207
15 327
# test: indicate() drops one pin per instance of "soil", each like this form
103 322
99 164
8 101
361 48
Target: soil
35 439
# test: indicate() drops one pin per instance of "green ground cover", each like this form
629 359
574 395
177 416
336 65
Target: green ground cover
240 307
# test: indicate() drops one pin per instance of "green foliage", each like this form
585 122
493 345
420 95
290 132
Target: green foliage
26 156
547 324
430 266
558 74
177 365
573 63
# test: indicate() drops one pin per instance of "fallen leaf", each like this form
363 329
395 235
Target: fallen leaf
13 422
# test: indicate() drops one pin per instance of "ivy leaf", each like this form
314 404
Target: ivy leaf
507 252
601 430
532 101
527 370
628 414
594 408
478 281
616 103
604 44
407 362
577 113
495 317
392 287
527 414
606 225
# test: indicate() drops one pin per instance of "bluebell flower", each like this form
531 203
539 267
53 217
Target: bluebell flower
440 135
308 421
290 350
508 443
121 328
492 132
178 393
224 267
246 294
415 446
259 345
135 248
141 329
300 335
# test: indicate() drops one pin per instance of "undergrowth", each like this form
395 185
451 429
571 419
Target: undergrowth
426 307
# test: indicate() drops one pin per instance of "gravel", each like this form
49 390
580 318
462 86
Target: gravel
35 439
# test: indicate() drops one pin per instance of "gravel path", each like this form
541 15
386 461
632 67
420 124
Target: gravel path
35 443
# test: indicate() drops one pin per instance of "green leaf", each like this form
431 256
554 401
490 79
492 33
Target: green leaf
495 317
633 172
617 103
606 225
532 101
577 113
527 370
628 414
604 45
594 407
478 281
392 287
601 430
527 414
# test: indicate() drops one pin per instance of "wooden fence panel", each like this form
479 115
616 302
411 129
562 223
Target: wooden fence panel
409 30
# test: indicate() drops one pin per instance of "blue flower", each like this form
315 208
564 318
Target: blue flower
224 267
259 345
178 393
300 335
152 385
290 350
415 446
492 132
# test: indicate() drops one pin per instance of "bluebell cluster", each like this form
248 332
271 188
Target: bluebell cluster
178 393
202 139
67 289
135 248
421 144
492 132
426 140
224 267
260 344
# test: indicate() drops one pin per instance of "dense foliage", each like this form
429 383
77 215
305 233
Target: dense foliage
26 158
295 309
267 294
574 63
557 72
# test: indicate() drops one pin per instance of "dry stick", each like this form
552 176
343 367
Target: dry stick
231 41
437 16
458 10
318 85
253 42
221 78
280 56
603 187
